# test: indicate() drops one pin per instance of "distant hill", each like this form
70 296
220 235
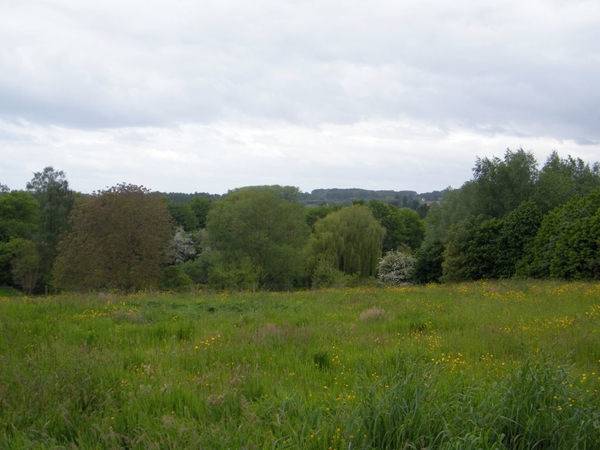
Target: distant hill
347 196
408 199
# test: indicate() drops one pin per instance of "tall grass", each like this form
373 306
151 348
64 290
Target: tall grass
512 365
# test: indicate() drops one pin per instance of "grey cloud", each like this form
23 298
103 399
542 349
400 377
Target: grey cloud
518 70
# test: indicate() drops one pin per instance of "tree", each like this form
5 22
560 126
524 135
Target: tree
262 225
518 231
561 180
471 250
24 264
19 213
185 246
201 206
396 268
314 213
403 226
428 264
567 244
18 221
51 189
503 184
455 206
183 215
349 240
119 239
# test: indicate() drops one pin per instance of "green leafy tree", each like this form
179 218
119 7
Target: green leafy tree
518 231
19 213
183 215
455 206
349 240
51 189
561 180
314 213
428 264
471 250
503 184
175 279
422 210
119 239
403 226
260 224
25 264
483 250
201 206
567 244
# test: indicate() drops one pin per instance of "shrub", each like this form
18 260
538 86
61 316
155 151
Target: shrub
175 279
326 276
396 268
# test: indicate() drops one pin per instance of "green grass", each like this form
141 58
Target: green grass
512 365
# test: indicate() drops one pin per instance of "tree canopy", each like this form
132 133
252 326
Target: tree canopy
262 227
119 239
51 189
349 239
19 213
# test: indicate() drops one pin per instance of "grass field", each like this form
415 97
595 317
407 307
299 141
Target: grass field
512 365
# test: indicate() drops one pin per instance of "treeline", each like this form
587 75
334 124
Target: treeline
345 197
513 219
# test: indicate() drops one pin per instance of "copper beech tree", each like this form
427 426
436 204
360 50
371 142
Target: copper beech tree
119 239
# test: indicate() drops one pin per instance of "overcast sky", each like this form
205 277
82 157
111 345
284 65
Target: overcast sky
208 96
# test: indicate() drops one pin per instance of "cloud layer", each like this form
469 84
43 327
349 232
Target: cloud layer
208 96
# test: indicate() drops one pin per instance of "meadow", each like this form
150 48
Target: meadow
502 365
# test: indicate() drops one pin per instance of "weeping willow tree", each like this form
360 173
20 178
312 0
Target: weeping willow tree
349 239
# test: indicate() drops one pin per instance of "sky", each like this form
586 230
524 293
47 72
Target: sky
208 96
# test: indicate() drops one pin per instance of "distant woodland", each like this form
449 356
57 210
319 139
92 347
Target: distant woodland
516 217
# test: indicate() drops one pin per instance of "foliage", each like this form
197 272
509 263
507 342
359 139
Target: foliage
456 205
19 213
51 189
396 268
201 206
428 263
183 215
519 229
349 239
347 196
314 213
503 184
242 275
456 245
262 225
119 240
488 223
25 264
489 249
198 269
185 246
403 226
472 250
561 180
325 275
567 245
175 279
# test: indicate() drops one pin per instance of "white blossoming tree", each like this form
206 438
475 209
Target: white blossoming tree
396 268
